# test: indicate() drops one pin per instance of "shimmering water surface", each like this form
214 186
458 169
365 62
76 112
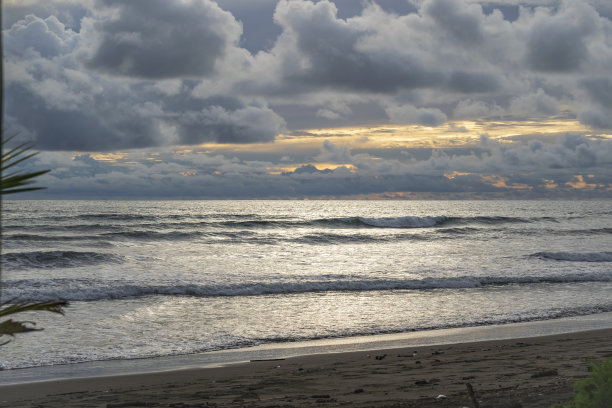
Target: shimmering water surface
155 278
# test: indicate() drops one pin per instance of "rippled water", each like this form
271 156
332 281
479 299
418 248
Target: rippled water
175 277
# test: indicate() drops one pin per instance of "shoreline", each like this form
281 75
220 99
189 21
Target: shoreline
517 372
213 359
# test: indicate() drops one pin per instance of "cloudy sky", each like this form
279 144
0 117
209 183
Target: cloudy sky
312 99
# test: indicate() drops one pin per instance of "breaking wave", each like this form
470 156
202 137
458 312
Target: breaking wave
94 290
55 259
402 222
575 256
151 223
417 222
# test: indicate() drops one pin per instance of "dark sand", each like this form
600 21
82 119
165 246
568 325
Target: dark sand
531 372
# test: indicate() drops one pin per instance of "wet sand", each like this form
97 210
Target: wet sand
530 372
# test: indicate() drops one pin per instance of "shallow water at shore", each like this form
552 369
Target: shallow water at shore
275 351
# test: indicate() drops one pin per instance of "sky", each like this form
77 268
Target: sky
298 99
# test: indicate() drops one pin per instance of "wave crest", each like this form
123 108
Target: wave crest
403 222
93 290
55 259
575 256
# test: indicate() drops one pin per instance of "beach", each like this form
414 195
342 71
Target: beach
278 303
522 372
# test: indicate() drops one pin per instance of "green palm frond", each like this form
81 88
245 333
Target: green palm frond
10 327
55 307
15 181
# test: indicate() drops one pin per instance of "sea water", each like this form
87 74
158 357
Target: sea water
162 278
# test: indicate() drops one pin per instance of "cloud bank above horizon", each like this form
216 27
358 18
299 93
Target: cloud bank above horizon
296 98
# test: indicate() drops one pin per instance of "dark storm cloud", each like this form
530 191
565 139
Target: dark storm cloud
58 129
158 38
460 22
116 118
299 116
215 124
110 74
599 90
596 117
597 113
472 82
556 47
94 125
52 100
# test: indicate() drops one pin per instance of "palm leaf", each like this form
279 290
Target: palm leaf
54 306
11 327
16 181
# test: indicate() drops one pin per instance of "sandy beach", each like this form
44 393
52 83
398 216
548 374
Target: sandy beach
529 372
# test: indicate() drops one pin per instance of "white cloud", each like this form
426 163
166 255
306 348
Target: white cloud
110 75
468 108
420 116
538 103
48 37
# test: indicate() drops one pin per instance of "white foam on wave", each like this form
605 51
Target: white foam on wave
94 290
575 256
403 222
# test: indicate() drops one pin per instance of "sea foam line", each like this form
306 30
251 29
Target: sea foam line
174 222
93 290
575 256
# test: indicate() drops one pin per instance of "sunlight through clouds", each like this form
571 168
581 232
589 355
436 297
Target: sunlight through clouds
305 95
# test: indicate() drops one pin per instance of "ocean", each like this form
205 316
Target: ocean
164 278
